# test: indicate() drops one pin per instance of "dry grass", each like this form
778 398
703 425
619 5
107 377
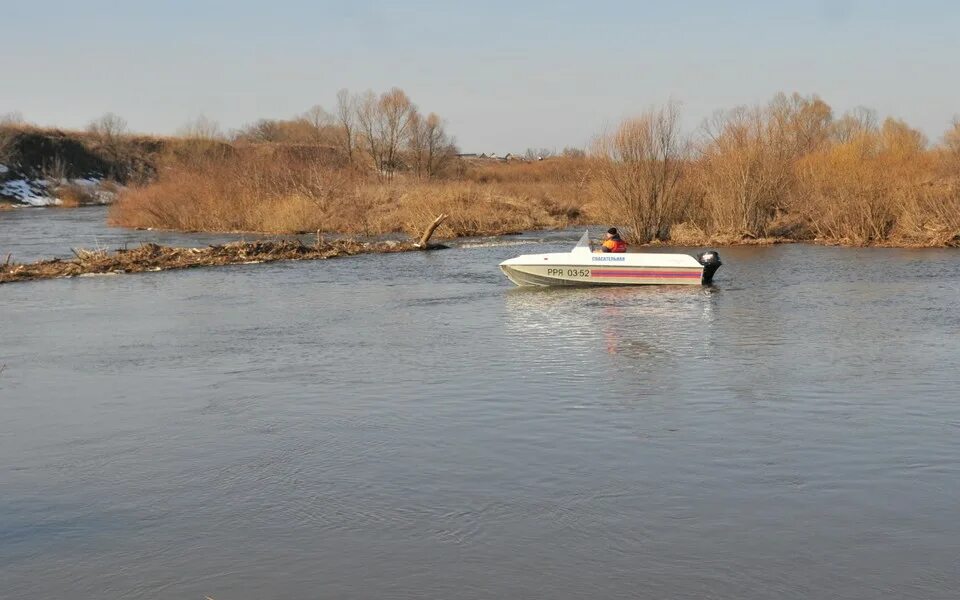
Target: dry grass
72 195
254 191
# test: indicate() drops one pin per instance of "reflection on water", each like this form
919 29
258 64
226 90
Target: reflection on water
641 322
413 426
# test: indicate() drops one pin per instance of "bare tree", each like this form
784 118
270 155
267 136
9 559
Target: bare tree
9 122
538 153
900 139
396 111
263 130
854 123
431 149
202 141
7 143
951 143
317 116
800 124
417 144
12 119
347 120
951 139
109 131
202 128
108 127
639 166
385 123
318 119
746 170
367 113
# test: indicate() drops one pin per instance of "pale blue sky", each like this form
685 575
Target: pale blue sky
505 75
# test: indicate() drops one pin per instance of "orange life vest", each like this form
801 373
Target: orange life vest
615 245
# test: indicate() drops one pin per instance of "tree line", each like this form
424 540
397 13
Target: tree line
385 133
789 168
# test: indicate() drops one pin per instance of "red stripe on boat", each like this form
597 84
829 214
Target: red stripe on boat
648 274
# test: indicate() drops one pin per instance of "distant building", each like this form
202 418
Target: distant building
508 157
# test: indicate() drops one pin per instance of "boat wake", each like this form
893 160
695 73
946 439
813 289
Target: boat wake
497 243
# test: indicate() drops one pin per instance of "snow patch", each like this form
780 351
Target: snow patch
3 168
30 192
42 192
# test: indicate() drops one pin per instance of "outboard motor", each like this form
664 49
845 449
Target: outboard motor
711 262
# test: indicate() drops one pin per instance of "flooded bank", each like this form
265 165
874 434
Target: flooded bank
411 425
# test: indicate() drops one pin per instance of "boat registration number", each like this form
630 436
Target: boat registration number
569 272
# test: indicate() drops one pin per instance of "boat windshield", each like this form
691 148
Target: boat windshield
584 243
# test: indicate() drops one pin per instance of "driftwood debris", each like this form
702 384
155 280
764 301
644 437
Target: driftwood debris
152 257
424 243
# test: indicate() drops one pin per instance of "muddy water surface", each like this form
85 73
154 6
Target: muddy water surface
411 426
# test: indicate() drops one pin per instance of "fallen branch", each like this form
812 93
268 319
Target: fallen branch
424 243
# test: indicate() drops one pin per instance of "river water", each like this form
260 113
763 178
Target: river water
411 426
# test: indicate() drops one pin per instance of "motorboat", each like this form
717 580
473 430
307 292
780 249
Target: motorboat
582 266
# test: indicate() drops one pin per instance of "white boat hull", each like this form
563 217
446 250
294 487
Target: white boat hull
582 267
579 275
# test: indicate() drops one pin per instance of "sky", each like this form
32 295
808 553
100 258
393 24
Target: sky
505 75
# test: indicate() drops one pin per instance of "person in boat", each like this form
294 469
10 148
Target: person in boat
612 242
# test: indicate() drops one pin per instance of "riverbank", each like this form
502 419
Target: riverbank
153 257
688 235
53 167
787 171
265 190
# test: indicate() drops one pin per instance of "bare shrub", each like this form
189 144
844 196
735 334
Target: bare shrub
744 174
861 190
261 131
855 123
108 127
201 128
200 142
746 168
12 119
949 151
7 143
110 133
538 153
431 150
72 195
845 194
638 171
311 127
55 169
951 139
319 122
347 120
